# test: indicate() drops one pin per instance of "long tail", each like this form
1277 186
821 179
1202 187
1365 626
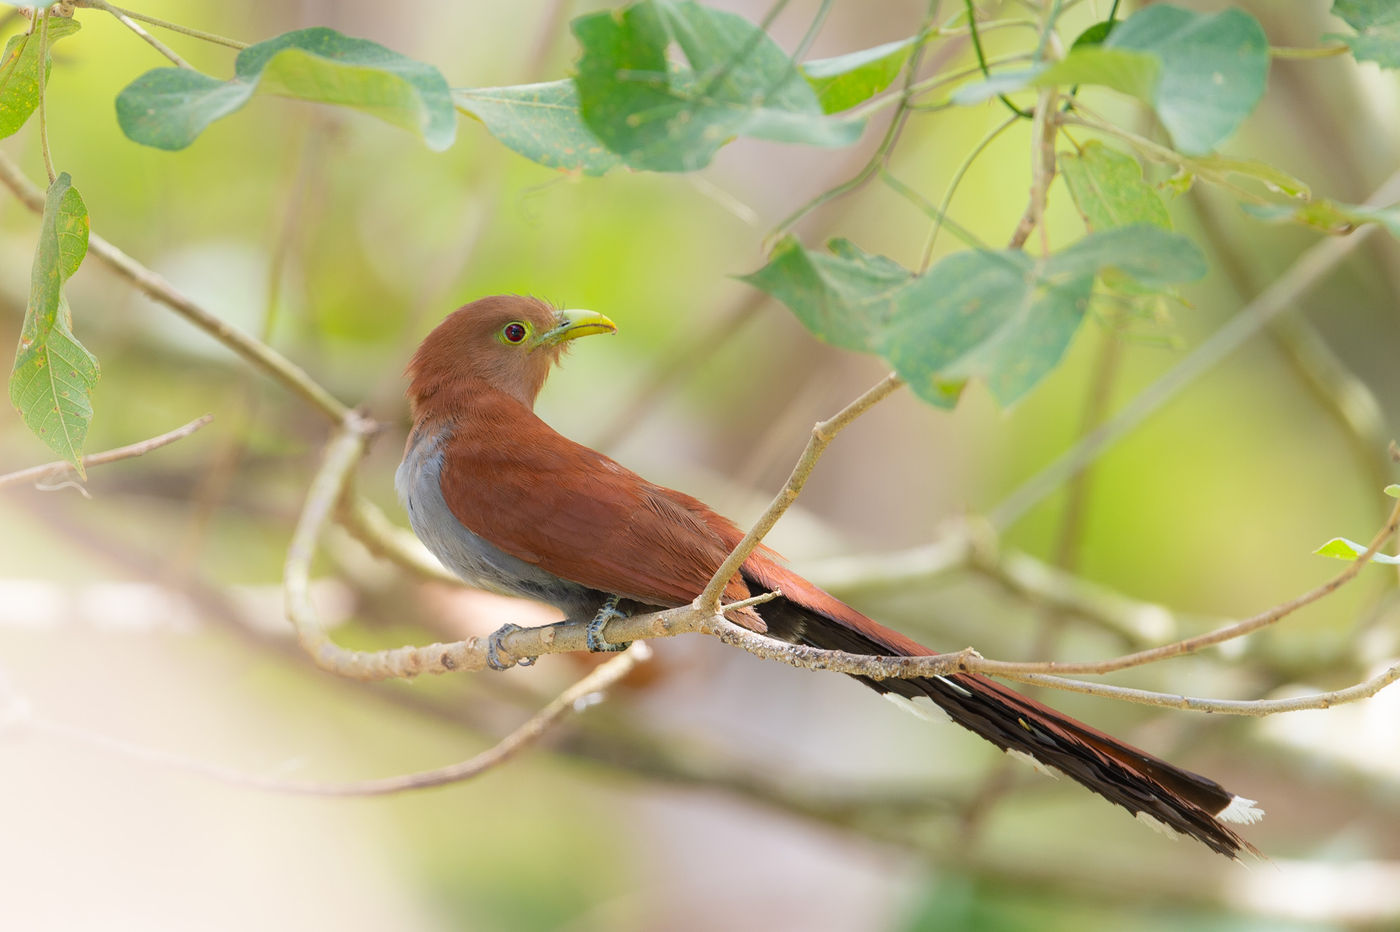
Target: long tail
1154 791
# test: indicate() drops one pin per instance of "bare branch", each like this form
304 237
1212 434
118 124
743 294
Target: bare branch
52 472
822 435
1220 635
1252 707
1043 134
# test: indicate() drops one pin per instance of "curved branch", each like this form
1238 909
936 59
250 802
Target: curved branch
54 470
822 435
1219 635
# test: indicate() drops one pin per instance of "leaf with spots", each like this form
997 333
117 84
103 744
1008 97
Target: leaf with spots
1332 217
1001 316
541 122
168 108
846 80
1377 25
53 377
1108 189
1213 69
19 74
844 298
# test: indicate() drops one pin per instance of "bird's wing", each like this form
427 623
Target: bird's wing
577 514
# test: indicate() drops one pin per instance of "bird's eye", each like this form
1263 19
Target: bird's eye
514 332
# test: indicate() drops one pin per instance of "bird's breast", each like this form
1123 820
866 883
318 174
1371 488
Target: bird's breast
476 560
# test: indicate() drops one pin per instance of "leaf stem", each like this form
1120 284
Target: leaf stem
942 212
982 60
135 27
43 86
1326 51
173 27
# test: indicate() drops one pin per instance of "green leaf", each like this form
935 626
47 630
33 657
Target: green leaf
1095 34
846 80
53 377
1108 189
983 314
1328 216
1393 491
169 107
1153 256
19 74
1344 549
1377 25
1123 70
541 122
1214 69
1275 179
844 299
666 118
1004 82
1000 316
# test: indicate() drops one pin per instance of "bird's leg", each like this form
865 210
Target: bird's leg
493 649
607 613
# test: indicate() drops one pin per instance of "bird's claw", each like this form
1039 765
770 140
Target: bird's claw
597 644
494 649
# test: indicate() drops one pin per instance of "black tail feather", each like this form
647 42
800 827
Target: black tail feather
1149 788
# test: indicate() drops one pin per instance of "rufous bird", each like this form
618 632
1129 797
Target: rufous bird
513 507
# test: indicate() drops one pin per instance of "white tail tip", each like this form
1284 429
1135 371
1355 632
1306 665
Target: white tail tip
1240 811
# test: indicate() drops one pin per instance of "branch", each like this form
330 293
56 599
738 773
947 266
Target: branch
56 469
1044 129
822 435
262 356
1229 632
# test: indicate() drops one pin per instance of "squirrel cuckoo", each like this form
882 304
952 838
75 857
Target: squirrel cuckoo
513 507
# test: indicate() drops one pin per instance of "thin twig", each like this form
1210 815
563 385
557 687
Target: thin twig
135 27
1044 128
54 470
962 170
1218 636
262 356
822 435
176 27
1255 708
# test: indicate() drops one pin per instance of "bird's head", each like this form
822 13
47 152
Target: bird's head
507 341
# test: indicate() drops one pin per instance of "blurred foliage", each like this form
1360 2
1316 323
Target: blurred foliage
343 241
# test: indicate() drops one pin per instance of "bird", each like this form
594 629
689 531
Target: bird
513 507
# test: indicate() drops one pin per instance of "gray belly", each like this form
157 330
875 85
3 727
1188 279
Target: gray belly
478 562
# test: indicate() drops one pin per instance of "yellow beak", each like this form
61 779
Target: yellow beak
572 324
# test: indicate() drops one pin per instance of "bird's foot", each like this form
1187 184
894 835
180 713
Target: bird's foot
494 649
596 642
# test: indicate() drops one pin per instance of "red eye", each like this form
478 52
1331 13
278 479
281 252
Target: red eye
514 332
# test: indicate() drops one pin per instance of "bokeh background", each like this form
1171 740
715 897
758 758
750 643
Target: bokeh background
141 628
